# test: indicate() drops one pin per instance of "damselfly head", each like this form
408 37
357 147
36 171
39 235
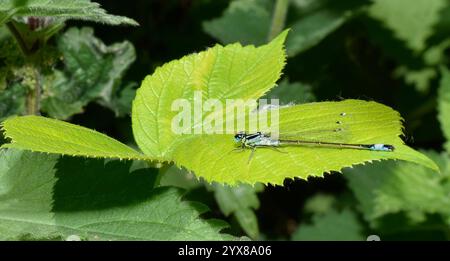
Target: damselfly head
239 136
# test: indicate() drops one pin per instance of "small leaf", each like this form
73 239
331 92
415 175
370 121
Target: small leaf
52 136
244 21
120 100
240 201
41 198
319 204
421 78
61 10
444 105
332 226
312 27
93 71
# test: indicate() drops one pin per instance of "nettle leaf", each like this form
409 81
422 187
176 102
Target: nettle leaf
93 72
12 100
333 225
42 197
412 23
231 72
444 105
244 21
387 188
60 10
48 135
318 21
220 72
422 77
27 181
13 78
119 100
249 21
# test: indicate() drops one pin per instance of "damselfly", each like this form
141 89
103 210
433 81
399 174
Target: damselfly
259 139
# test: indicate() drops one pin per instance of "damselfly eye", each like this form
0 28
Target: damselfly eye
238 137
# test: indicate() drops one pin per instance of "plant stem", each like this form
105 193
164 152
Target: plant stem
20 41
279 18
34 95
33 99
161 171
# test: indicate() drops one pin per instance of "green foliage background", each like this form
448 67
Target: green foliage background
395 52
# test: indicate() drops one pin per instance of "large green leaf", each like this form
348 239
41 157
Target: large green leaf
387 188
48 135
60 10
231 72
27 181
444 105
93 71
41 198
214 159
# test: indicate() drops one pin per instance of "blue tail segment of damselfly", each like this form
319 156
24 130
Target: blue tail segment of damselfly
259 139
